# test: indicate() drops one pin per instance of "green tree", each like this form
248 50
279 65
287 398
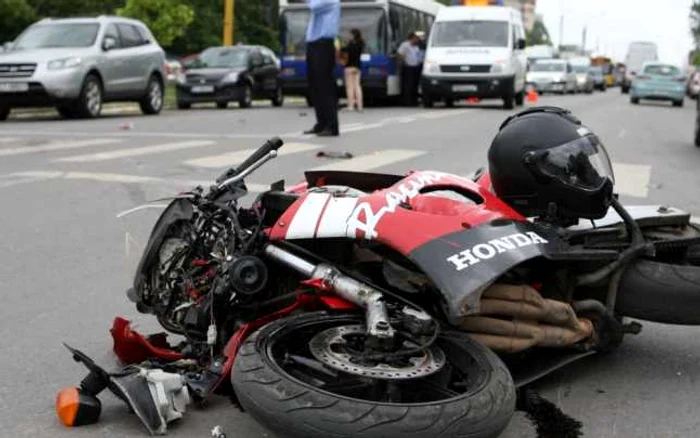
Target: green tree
15 15
538 35
72 8
167 19
695 21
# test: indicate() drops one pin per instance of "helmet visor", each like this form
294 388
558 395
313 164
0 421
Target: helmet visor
583 163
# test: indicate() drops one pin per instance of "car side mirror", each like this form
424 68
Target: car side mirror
109 43
521 44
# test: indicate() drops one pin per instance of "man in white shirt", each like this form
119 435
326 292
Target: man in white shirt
410 56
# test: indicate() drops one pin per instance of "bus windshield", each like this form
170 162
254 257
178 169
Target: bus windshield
370 21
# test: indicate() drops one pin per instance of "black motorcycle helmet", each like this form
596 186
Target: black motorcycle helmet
544 162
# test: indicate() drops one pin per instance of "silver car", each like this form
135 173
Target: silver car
77 64
552 76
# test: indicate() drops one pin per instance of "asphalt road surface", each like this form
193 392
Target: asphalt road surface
63 268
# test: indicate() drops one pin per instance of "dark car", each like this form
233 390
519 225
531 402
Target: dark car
231 74
598 78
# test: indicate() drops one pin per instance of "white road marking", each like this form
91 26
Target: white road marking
132 134
137 152
233 158
432 115
7 140
373 161
32 176
632 179
58 146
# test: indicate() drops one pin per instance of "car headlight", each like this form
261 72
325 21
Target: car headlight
499 66
431 67
181 78
230 78
58 64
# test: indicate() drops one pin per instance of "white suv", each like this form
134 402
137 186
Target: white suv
77 64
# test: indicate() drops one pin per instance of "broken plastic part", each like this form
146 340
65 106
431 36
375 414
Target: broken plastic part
132 347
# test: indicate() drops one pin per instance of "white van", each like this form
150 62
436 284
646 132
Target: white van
475 51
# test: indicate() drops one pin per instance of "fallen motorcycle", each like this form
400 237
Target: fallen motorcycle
376 305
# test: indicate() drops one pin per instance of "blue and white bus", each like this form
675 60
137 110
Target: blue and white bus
384 25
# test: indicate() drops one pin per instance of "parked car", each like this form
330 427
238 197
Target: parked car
693 85
584 81
231 74
78 64
658 82
552 76
598 78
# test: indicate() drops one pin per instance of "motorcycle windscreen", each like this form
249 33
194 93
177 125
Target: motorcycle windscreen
463 264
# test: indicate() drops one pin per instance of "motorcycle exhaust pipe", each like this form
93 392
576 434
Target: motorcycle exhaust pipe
345 286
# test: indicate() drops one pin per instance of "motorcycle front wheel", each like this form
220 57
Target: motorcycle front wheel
282 378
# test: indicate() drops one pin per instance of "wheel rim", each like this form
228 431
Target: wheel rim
155 95
94 98
298 353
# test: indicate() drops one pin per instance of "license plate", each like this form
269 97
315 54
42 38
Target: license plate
13 87
467 87
200 89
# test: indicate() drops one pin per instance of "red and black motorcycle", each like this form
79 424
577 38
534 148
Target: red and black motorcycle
359 304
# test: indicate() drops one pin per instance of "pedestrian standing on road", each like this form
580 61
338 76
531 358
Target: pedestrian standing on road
410 58
321 54
353 72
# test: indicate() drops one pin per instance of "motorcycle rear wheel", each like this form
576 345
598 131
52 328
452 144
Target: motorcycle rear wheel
473 394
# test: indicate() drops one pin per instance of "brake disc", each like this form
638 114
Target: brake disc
420 364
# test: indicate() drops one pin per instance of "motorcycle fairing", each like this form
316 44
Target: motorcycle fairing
180 209
403 216
464 263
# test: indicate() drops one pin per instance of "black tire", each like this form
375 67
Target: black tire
509 101
152 102
309 102
520 98
278 98
247 98
634 100
184 105
697 125
222 105
4 112
294 409
89 104
428 101
660 292
678 103
449 103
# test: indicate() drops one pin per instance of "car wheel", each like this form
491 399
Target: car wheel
697 127
428 101
4 112
520 98
222 105
509 101
449 103
152 102
678 103
184 106
634 100
247 99
90 100
278 99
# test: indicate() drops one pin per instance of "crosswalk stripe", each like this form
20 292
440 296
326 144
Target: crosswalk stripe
373 161
58 146
136 152
32 176
232 158
632 179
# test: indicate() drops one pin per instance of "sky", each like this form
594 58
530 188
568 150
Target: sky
613 24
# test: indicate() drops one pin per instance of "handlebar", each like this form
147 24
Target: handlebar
272 144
